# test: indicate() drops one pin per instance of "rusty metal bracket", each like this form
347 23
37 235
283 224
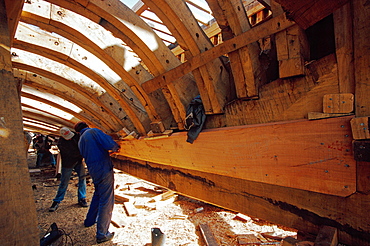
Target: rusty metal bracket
361 150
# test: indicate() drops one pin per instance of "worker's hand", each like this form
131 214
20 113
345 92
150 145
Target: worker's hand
116 150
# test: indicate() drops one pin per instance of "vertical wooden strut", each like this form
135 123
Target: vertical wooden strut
212 79
247 72
18 221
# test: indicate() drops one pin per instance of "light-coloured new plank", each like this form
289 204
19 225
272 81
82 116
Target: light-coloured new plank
302 154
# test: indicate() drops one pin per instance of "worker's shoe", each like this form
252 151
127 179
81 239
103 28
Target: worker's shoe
54 206
106 238
83 202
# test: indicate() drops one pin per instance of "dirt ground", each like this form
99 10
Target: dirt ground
140 207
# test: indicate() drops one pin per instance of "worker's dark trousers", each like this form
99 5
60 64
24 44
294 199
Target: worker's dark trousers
102 203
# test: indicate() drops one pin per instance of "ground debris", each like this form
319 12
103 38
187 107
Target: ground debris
173 213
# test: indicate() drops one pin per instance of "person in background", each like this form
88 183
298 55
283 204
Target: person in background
27 141
95 147
42 145
71 160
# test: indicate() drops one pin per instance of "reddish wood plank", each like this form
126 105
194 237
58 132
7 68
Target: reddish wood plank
309 155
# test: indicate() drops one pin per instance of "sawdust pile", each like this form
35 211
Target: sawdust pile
140 207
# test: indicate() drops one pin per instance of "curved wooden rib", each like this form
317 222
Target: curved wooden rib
80 39
212 78
79 116
48 119
157 60
55 105
90 115
43 111
40 123
61 58
109 124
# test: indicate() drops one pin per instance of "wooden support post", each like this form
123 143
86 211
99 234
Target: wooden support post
292 51
18 221
344 48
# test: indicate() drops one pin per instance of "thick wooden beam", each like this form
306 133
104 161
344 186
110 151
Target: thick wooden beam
306 13
267 28
308 155
292 51
361 34
343 28
303 210
212 78
18 220
246 68
13 11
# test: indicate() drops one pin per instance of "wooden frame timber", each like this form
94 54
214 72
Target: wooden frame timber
276 143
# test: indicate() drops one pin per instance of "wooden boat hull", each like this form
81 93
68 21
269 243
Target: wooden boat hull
300 174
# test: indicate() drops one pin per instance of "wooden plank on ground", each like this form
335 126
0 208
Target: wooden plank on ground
121 198
208 236
130 208
248 239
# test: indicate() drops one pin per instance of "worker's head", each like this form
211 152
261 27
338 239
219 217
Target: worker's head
39 138
80 125
66 133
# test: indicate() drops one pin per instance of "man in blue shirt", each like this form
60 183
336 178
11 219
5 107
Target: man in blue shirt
95 147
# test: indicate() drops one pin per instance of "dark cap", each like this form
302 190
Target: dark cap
80 125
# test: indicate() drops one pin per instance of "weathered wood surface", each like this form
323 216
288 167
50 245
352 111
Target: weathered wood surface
303 210
18 223
211 78
309 155
274 25
307 13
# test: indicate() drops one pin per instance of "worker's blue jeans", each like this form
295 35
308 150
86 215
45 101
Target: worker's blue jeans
40 156
102 203
64 180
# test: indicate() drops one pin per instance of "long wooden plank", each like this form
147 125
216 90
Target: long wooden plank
268 28
309 155
303 210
